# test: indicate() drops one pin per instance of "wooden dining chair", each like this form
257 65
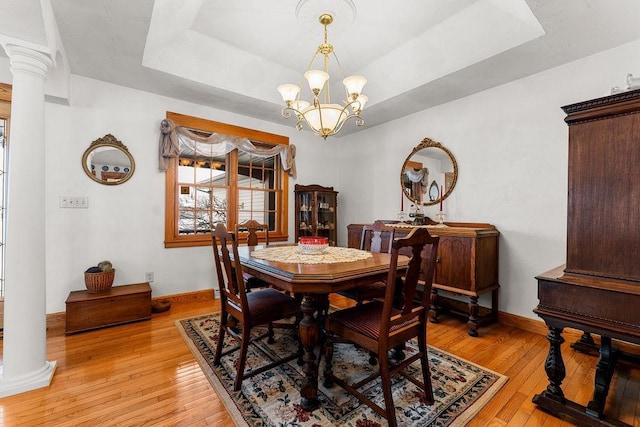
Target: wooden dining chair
376 237
246 310
254 231
379 327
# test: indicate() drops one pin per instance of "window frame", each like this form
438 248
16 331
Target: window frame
172 238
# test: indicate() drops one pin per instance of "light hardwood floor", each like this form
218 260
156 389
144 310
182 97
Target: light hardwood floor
143 374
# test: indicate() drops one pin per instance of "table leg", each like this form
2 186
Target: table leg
309 335
433 306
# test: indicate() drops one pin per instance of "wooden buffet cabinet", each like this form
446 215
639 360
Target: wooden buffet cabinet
466 264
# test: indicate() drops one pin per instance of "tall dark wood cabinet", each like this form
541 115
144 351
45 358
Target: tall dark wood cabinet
316 212
598 289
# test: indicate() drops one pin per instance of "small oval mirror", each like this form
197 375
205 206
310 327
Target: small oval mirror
108 161
429 167
434 191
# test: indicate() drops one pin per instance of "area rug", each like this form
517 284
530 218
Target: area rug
271 398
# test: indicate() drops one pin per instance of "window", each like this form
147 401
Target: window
5 113
204 190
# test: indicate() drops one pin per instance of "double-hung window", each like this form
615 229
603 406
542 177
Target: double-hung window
206 186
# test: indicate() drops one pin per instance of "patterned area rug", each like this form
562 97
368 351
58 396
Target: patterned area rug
271 398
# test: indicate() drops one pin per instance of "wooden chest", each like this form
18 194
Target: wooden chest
122 304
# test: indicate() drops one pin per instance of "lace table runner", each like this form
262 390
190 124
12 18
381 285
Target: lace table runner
293 255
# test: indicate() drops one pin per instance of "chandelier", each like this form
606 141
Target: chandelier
321 116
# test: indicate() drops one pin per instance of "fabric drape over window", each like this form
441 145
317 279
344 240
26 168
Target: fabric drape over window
172 137
417 175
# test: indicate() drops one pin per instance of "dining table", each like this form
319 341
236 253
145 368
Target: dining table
314 277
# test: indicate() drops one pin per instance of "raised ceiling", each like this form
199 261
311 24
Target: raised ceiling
416 54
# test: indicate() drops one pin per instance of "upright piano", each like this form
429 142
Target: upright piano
597 291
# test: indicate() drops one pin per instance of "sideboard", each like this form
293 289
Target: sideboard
466 264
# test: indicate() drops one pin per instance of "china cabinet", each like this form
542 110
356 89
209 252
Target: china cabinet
316 212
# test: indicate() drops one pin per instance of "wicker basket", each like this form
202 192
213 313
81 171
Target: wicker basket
99 282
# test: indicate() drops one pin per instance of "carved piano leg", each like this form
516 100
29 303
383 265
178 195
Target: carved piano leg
553 400
604 372
472 323
309 330
554 365
433 306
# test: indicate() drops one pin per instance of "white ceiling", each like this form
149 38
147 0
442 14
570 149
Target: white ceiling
416 54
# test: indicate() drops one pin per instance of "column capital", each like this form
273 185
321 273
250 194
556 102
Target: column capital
28 60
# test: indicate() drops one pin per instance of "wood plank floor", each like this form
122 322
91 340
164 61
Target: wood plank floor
143 374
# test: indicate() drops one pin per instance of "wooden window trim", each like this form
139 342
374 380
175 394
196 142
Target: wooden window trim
172 239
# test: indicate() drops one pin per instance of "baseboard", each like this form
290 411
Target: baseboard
530 325
187 297
534 325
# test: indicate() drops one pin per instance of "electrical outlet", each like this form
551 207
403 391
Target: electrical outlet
148 276
81 202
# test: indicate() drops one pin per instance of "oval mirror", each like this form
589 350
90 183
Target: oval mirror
108 161
428 168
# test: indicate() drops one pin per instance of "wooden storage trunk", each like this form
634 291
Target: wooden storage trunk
122 304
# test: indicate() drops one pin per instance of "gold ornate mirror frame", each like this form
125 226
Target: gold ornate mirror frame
449 178
121 170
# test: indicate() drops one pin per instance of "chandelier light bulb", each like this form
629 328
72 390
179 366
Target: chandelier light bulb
354 84
300 105
289 92
316 79
359 103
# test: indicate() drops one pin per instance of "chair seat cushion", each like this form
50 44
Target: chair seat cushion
365 319
267 305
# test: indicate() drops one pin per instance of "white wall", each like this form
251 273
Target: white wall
125 223
510 143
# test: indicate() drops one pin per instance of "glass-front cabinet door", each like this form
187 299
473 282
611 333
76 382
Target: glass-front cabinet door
316 212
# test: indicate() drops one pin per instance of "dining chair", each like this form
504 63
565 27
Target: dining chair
376 237
378 326
242 311
254 230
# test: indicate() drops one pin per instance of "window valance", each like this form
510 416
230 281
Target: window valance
173 137
417 175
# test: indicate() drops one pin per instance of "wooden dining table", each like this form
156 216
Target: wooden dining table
315 282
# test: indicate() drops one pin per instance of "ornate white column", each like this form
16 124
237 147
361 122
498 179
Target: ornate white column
25 347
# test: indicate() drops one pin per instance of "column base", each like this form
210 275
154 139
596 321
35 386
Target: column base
38 379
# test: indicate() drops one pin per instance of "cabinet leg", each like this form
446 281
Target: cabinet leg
472 323
433 306
604 372
554 365
494 305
